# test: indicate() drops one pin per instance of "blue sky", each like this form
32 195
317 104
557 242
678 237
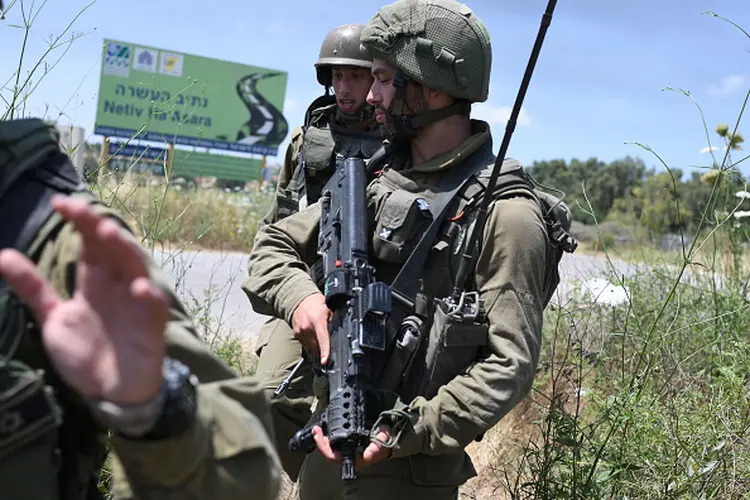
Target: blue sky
597 85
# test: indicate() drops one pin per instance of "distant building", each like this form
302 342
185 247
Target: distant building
73 143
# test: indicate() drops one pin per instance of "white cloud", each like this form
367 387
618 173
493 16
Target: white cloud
728 85
498 115
712 148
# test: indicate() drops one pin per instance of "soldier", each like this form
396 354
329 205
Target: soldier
431 60
92 339
335 127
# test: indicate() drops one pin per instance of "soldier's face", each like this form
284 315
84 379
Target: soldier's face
383 93
382 90
351 84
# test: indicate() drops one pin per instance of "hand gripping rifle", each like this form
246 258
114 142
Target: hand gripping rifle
360 306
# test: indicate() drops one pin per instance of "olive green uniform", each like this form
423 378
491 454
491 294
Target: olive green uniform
484 376
328 136
227 454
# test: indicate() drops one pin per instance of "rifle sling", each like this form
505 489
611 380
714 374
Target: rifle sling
404 286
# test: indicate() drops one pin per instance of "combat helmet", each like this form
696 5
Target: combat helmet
341 46
440 44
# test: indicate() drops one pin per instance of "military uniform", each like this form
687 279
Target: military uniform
468 372
484 376
328 137
227 453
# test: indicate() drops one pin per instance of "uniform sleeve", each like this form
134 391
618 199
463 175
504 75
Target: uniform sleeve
228 454
225 453
279 265
510 277
288 168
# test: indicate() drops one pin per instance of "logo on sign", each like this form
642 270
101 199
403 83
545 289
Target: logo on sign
117 59
145 60
171 64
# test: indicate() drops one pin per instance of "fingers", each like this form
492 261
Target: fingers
374 451
104 241
307 339
324 446
323 338
85 221
28 283
121 251
155 301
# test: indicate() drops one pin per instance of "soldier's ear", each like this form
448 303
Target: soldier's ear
435 99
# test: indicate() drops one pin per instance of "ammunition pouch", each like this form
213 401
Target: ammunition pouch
30 419
401 219
457 336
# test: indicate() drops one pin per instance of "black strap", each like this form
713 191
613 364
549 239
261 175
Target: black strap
29 200
404 286
428 117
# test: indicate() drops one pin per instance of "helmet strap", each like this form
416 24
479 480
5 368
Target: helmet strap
404 127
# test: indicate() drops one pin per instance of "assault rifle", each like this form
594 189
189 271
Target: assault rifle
360 306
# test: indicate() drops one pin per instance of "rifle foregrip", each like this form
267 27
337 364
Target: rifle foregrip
302 441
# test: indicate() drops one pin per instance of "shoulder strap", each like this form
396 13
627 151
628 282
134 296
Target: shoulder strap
404 286
322 101
32 170
23 145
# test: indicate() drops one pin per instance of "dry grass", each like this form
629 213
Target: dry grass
210 219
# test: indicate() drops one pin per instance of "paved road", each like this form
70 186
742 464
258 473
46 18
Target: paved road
209 283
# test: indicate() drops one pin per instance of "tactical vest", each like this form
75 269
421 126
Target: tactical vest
435 222
325 145
50 446
404 212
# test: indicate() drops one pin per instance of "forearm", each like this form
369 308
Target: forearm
231 434
279 265
228 453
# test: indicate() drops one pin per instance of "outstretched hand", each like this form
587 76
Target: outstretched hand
107 341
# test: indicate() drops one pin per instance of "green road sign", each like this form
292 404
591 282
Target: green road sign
172 97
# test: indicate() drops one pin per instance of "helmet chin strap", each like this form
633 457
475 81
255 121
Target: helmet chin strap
401 127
